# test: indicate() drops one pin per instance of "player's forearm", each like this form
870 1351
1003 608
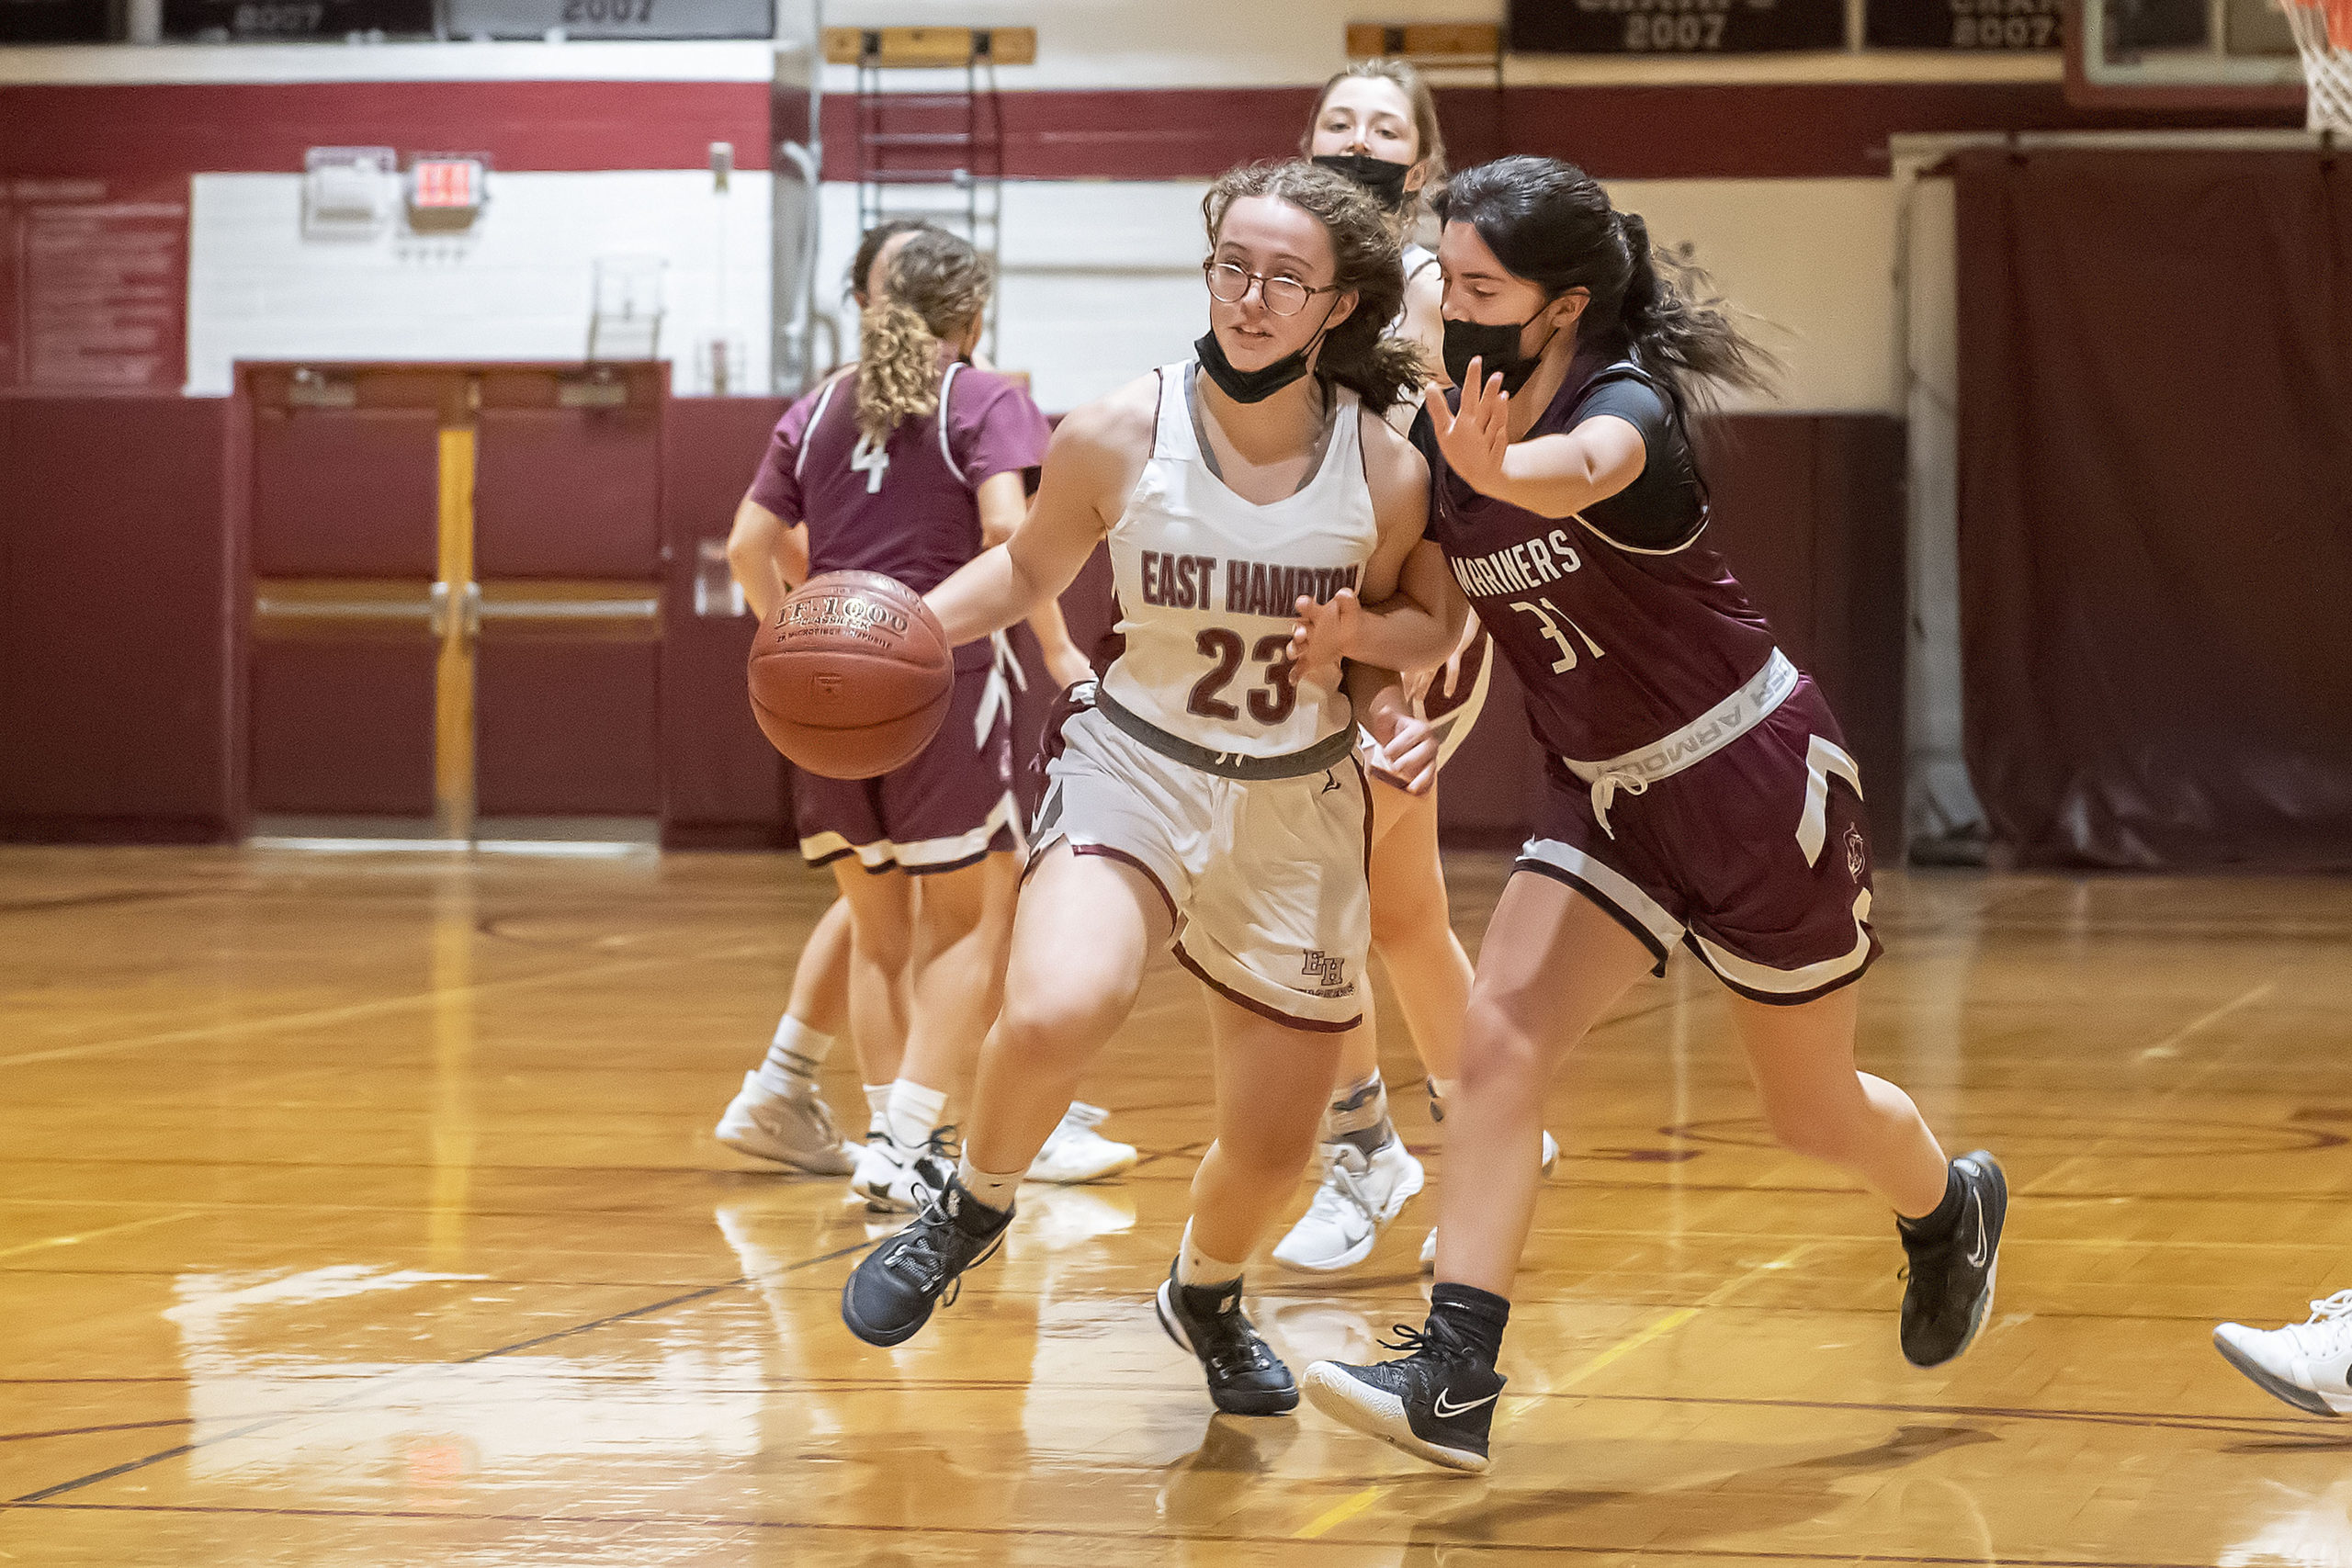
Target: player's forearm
1060 650
1403 634
764 588
1376 690
987 594
1551 475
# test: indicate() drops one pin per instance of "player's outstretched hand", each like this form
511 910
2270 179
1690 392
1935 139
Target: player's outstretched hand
1319 641
1474 438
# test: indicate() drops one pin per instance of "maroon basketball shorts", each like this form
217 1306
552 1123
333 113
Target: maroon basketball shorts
943 811
1756 857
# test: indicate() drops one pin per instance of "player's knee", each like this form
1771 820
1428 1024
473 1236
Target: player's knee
1270 1155
1498 1048
1041 1026
1408 923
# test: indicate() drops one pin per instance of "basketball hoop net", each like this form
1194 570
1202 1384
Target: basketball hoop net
2324 34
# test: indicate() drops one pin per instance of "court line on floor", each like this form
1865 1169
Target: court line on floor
1130 1537
382 1005
87 1431
86 900
102 1230
2160 1051
424 1370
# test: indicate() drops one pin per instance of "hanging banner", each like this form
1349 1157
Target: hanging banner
613 18
207 21
55 21
1676 27
2004 26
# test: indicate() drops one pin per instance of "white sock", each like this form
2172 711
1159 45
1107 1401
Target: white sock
878 1105
911 1114
1195 1266
793 1056
990 1191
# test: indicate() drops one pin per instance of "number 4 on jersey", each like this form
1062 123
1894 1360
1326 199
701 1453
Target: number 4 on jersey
1549 613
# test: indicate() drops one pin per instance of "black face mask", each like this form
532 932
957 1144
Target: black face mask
1384 179
1498 345
1253 386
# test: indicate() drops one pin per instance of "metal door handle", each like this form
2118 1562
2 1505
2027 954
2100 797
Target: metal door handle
566 609
356 611
468 610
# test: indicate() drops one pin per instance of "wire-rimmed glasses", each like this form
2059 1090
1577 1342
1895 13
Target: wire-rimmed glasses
1229 285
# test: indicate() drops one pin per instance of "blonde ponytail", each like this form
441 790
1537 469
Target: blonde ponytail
898 369
937 288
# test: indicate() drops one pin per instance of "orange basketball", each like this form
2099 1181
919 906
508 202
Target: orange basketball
852 676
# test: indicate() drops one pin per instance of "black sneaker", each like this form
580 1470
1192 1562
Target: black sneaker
1437 1404
1950 1291
888 1296
1245 1378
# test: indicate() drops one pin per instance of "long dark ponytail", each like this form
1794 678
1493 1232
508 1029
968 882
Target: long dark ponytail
1553 224
1368 263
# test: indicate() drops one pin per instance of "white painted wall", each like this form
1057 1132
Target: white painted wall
517 287
1101 280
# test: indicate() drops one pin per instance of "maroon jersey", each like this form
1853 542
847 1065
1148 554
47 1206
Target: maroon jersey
909 508
1621 629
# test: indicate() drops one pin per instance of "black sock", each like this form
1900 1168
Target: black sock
974 1218
1474 1317
1945 1220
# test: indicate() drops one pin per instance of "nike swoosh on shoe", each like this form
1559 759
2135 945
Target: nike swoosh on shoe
1447 1412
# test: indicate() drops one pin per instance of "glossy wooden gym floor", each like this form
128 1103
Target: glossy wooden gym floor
363 1210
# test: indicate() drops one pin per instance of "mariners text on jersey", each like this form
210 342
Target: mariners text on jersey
1529 564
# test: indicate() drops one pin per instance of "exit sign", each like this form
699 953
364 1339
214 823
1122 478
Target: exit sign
445 185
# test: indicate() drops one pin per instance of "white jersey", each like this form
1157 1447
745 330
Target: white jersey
1208 584
1416 258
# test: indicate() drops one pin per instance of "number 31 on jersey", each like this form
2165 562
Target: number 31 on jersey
1556 627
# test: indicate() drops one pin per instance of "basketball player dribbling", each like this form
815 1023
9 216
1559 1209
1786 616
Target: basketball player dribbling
1376 123
1697 789
1198 794
779 1115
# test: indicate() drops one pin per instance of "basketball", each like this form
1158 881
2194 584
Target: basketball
852 676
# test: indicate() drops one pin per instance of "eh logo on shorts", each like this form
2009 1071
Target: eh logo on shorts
1331 972
1856 853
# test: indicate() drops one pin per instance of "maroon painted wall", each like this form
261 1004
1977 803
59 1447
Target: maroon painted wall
117 585
723 784
116 621
1814 129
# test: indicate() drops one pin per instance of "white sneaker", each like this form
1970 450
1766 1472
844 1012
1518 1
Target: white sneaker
890 1180
1077 1152
1429 1242
1357 1198
2308 1364
793 1129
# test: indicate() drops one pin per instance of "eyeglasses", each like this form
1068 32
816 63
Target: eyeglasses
1229 285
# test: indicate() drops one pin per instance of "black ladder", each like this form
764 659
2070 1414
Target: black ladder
934 152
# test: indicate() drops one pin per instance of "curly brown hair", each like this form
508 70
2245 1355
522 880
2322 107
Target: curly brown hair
1369 265
937 288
